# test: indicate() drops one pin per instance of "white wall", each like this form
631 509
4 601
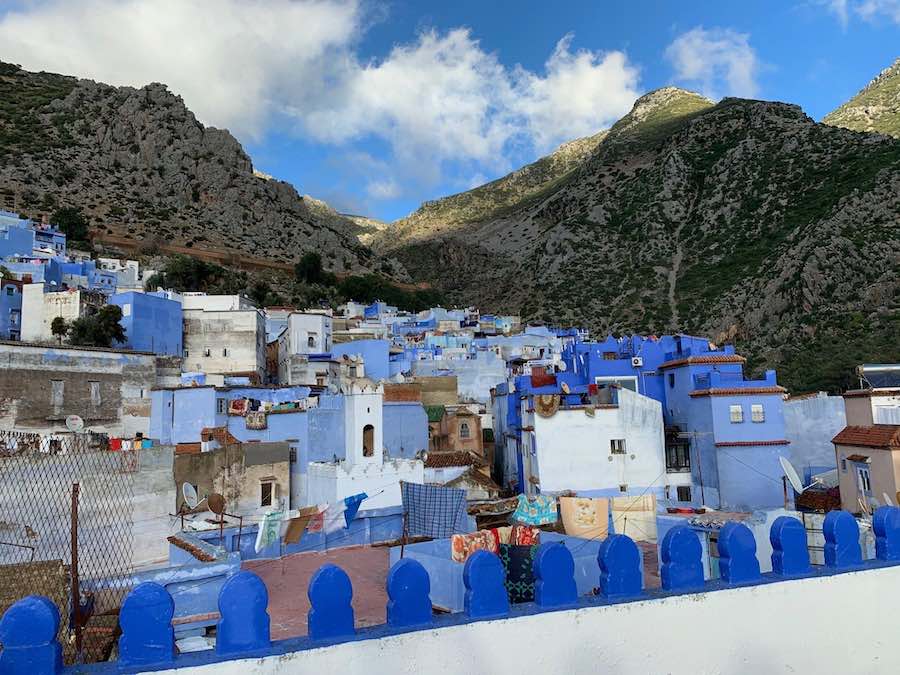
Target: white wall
39 309
242 333
329 482
573 449
786 627
215 303
302 327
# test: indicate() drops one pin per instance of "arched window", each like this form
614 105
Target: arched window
311 341
463 429
368 441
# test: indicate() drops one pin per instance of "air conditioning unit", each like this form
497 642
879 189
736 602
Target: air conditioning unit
637 362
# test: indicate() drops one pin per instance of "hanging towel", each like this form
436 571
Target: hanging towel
317 522
351 506
269 530
433 510
334 517
539 511
297 525
256 420
237 406
585 517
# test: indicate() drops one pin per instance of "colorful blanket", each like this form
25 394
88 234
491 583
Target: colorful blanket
538 511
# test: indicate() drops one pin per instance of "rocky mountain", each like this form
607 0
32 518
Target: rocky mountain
141 166
876 108
743 220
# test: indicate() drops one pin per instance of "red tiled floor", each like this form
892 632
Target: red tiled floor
288 578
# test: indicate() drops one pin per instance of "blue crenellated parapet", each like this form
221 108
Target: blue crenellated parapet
30 628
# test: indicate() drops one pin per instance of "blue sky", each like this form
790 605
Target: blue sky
376 106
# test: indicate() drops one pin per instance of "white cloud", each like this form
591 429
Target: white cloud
868 10
719 61
256 66
872 10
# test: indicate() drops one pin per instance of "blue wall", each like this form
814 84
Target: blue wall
405 429
15 239
153 323
10 310
374 353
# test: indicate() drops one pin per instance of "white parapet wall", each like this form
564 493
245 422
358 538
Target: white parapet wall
825 624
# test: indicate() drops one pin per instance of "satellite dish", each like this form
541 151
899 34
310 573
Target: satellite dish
74 423
792 475
887 499
190 495
216 503
562 366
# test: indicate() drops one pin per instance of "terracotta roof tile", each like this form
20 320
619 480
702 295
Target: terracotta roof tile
737 391
446 458
871 392
700 360
875 436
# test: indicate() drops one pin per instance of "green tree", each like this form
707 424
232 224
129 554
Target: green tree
309 269
4 272
59 328
71 221
98 330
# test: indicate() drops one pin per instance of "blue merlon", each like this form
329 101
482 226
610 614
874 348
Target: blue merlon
737 554
842 549
886 524
29 628
621 573
554 576
790 555
682 566
330 594
408 589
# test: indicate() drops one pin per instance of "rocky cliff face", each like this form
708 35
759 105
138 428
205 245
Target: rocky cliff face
139 164
745 220
876 108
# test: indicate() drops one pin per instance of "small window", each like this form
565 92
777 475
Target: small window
671 380
207 352
844 465
266 493
224 351
684 493
57 389
617 446
623 487
610 356
464 430
757 412
736 413
862 474
95 393
220 406
368 441
185 353
9 290
311 341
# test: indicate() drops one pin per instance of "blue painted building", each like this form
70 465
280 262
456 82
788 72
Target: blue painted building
37 269
85 274
10 309
151 321
16 236
728 432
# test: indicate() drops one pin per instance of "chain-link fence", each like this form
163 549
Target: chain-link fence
66 532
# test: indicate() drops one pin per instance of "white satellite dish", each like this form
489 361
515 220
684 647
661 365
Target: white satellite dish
190 495
792 475
887 499
74 423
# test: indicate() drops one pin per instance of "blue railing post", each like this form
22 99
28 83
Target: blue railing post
737 554
409 600
486 595
243 608
682 560
554 576
28 631
146 622
886 524
790 555
842 550
621 568
330 614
